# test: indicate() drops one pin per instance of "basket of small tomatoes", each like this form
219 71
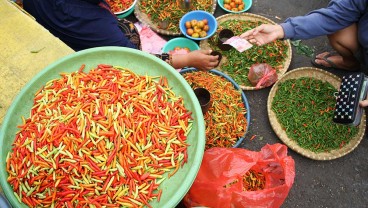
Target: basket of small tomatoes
235 6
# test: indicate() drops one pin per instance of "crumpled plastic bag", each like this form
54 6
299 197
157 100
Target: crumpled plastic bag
262 75
150 41
222 166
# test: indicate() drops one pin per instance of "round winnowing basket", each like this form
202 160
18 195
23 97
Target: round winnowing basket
204 44
281 133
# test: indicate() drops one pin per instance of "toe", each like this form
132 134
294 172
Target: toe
322 62
322 55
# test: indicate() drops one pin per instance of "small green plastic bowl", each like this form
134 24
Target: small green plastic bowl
247 3
180 42
174 188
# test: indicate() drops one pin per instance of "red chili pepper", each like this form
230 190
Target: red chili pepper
92 139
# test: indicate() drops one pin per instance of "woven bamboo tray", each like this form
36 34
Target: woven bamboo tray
143 17
204 44
276 126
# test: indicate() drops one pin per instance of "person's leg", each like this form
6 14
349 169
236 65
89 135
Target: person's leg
345 42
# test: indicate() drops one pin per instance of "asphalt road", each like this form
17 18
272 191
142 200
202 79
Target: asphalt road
341 182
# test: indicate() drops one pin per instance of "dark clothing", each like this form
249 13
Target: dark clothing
81 24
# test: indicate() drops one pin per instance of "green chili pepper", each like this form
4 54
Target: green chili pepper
238 64
304 107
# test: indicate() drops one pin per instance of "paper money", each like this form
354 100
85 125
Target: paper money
238 43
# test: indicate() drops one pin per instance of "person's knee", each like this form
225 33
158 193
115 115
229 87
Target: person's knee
345 40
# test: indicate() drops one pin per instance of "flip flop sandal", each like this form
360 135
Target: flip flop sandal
325 58
332 64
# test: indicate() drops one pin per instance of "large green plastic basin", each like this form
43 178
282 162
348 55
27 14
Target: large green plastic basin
140 62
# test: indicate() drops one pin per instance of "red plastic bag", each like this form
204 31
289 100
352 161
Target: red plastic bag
221 166
262 75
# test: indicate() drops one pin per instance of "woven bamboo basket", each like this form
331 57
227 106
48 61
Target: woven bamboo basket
281 133
204 44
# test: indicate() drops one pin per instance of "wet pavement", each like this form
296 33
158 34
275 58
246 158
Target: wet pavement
341 182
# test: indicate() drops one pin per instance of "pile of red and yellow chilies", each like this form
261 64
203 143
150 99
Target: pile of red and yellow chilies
225 118
253 181
119 5
103 138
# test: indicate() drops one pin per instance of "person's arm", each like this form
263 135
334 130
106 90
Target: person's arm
264 34
79 24
336 16
199 59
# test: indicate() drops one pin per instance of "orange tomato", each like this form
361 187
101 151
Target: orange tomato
238 1
232 5
188 24
193 22
200 24
197 29
227 6
190 31
203 34
195 35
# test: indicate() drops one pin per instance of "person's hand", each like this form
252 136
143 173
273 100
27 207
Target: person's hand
263 34
202 60
199 59
363 103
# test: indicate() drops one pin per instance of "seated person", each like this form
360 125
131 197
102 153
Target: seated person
83 24
343 21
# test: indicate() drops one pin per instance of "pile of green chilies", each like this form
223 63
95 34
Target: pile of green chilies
238 64
171 11
105 138
304 107
225 119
